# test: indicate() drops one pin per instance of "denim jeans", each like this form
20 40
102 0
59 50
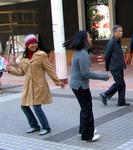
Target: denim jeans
32 119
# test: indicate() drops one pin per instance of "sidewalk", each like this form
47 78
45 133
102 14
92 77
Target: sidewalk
114 124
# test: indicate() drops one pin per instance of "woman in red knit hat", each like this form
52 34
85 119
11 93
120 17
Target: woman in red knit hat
36 92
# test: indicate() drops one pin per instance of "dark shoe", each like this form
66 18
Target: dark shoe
104 98
31 130
44 132
124 104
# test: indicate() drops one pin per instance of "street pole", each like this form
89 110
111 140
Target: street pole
59 38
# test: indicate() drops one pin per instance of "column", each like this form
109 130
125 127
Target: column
81 14
59 38
112 14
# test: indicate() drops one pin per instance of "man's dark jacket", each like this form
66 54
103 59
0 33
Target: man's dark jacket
114 59
131 46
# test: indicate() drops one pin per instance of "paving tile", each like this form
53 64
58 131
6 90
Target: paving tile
10 142
126 146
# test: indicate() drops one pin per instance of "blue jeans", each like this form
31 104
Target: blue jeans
32 119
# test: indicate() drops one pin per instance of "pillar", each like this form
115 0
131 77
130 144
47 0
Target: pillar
112 14
59 38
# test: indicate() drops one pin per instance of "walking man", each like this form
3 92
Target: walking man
115 63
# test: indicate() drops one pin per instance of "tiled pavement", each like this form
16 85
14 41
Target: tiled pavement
10 142
114 124
126 146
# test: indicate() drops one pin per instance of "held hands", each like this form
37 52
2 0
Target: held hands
62 85
64 82
8 68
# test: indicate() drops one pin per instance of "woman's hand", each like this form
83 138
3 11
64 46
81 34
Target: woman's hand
64 82
63 85
8 68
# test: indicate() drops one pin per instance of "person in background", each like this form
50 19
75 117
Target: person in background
33 65
81 73
2 69
115 63
131 44
131 49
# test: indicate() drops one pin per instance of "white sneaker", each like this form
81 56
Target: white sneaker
31 130
44 132
95 131
95 138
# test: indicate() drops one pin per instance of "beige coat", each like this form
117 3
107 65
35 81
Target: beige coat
36 90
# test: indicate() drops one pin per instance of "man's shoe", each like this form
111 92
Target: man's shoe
31 130
124 104
103 98
94 139
44 132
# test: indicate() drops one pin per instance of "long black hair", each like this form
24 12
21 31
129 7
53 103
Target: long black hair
25 53
78 41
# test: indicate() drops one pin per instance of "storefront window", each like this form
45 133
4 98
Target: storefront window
103 24
98 22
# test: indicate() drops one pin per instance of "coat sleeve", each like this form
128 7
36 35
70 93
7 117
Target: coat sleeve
131 45
84 64
50 70
18 71
108 53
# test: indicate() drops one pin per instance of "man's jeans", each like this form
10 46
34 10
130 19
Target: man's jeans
40 115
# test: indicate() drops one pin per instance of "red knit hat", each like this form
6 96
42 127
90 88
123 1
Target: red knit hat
30 39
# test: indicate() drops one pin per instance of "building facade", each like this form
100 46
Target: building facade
75 18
